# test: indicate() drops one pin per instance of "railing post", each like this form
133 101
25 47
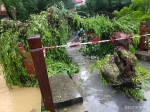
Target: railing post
142 32
35 46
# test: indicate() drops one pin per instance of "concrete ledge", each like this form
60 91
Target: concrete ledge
64 91
143 55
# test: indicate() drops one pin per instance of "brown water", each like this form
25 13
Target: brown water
19 99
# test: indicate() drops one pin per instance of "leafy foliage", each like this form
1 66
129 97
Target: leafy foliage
55 26
128 21
24 8
54 32
143 76
138 10
54 67
98 65
97 6
1 1
15 74
136 41
103 27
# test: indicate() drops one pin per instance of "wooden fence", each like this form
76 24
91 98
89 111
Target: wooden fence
144 40
35 64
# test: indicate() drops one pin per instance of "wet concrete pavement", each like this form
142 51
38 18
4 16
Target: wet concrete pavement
98 97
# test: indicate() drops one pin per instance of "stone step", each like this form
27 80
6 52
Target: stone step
64 91
143 55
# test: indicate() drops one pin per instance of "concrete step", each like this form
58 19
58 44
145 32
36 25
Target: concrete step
143 55
64 92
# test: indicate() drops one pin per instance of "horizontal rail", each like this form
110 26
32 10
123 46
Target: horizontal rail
86 43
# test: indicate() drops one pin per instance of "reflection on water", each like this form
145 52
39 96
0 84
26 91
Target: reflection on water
84 75
18 99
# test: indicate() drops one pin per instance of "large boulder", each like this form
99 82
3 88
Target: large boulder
111 72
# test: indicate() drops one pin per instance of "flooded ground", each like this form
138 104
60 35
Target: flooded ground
19 99
101 98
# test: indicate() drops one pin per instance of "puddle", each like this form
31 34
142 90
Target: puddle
83 75
19 99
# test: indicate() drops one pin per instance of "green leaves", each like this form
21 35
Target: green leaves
104 6
10 57
54 67
98 65
52 33
138 11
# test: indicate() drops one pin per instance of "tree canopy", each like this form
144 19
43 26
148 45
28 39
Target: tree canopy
95 6
139 10
26 7
1 2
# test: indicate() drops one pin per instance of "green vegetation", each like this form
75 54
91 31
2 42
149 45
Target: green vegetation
46 111
54 30
103 6
55 26
143 75
24 8
103 27
1 2
127 20
135 42
98 65
15 73
139 10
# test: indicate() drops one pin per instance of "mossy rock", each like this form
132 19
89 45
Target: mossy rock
119 68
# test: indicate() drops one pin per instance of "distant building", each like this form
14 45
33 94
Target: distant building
79 2
3 13
2 8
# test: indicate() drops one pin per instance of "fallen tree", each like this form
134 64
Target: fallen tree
54 32
121 69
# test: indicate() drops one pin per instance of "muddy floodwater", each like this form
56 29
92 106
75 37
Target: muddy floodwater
19 99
